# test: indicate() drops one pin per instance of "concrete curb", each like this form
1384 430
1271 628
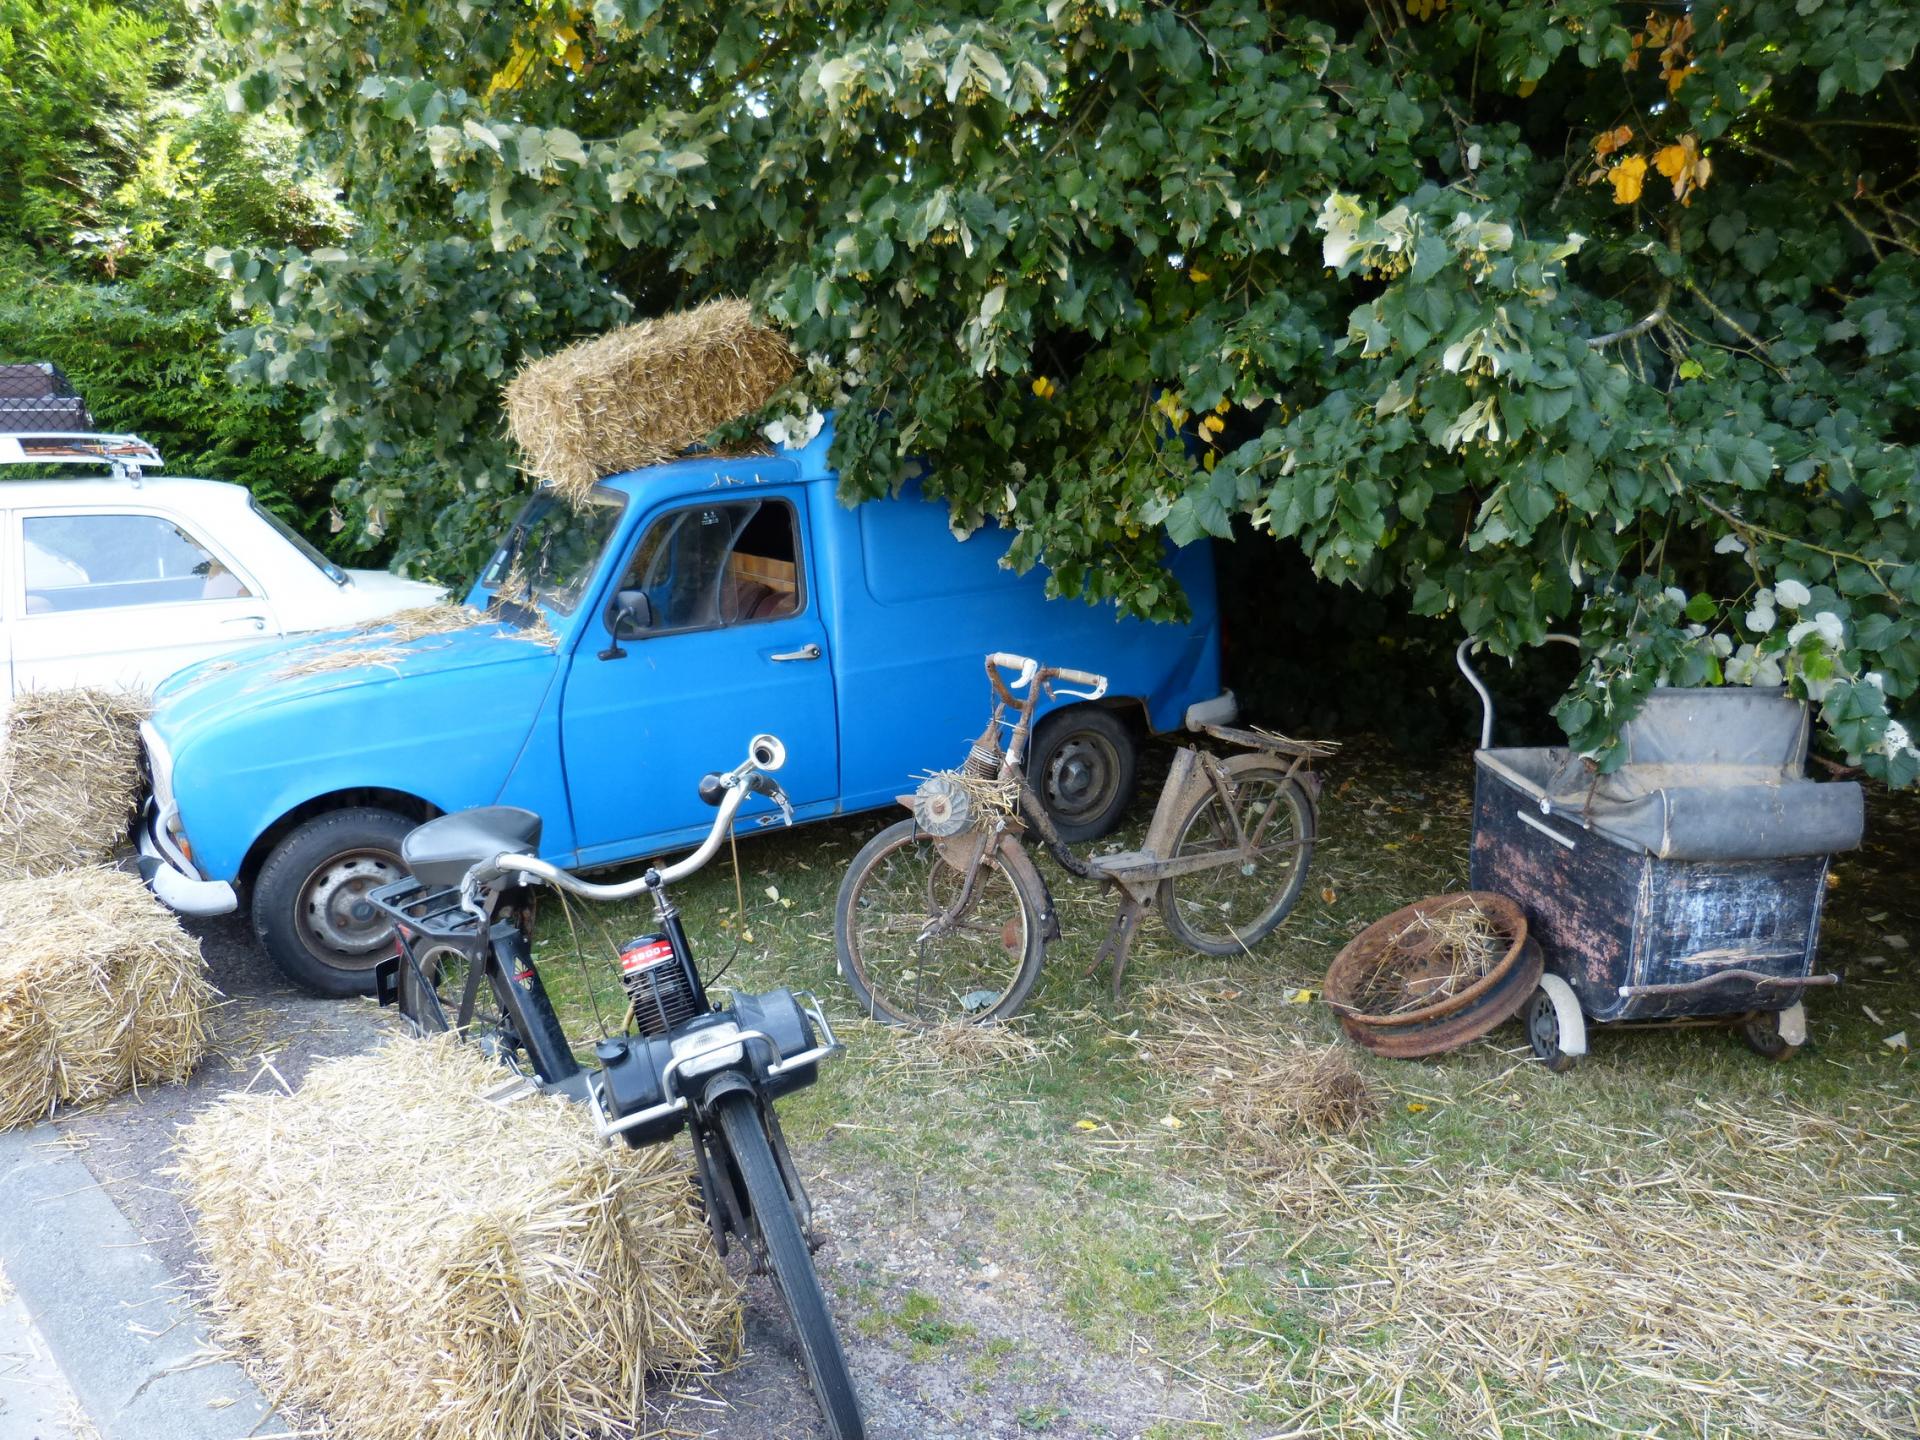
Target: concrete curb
130 1343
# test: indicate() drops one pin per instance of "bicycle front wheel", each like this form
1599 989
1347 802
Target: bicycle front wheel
980 967
792 1264
1227 908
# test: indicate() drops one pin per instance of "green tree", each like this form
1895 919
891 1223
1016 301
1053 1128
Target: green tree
122 165
1545 314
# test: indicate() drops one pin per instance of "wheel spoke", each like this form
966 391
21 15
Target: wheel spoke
941 976
1241 896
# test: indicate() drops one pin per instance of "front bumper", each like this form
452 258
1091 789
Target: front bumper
177 890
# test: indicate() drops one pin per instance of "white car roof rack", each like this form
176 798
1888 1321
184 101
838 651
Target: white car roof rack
127 454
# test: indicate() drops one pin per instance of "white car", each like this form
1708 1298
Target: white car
120 578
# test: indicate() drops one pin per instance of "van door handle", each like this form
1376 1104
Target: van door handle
809 651
259 622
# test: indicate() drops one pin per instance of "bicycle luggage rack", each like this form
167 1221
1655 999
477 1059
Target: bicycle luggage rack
432 912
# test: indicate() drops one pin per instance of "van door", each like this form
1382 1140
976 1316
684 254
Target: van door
737 646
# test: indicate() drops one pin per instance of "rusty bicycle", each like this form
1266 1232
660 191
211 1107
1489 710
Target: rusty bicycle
944 917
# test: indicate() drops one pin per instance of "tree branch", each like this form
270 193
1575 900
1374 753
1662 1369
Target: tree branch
1631 332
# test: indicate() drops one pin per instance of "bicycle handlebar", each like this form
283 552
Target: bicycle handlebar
1031 672
765 753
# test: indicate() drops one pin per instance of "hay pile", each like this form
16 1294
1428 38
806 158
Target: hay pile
420 1263
1569 1301
70 778
644 393
1277 1104
100 991
385 642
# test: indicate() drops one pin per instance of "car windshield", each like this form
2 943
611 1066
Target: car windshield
553 549
299 542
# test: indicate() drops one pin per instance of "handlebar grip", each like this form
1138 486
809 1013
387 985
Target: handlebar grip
763 785
712 788
1098 683
1001 660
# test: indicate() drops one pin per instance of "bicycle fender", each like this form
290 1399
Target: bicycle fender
1016 859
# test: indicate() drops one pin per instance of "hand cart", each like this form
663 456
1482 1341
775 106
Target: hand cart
1684 887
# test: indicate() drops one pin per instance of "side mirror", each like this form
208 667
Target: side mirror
629 616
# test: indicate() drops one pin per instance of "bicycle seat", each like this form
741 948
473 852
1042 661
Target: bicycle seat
441 851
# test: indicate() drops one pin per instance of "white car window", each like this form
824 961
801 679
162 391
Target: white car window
91 562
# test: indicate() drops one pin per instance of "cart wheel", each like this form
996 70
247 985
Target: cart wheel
1763 1034
1542 1018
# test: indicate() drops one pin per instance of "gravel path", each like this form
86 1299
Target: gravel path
1022 1370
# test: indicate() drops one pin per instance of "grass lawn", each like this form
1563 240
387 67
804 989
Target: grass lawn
1676 1238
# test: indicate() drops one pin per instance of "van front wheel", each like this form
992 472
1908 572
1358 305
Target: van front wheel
310 905
1082 766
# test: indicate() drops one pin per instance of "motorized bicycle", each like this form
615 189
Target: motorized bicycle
680 1062
944 918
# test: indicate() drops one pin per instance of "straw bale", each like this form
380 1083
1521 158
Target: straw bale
70 778
419 1263
642 394
100 991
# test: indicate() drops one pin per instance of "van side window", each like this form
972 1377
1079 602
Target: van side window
710 566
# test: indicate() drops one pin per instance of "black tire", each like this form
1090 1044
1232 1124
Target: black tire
982 971
1763 1037
1082 764
1226 911
311 891
792 1264
1542 1020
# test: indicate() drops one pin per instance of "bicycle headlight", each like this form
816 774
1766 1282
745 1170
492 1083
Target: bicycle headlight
715 1047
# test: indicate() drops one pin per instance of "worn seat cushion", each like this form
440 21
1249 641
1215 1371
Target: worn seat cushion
1710 774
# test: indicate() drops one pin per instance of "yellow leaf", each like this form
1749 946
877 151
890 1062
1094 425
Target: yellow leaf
1086 1125
1213 424
1629 177
1414 1107
1302 997
1608 141
1675 77
1043 387
1224 406
1172 1122
1670 160
1527 87
1199 277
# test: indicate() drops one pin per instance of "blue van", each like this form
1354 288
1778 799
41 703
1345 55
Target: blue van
679 611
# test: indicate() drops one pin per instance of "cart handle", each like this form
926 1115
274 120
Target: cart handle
1480 688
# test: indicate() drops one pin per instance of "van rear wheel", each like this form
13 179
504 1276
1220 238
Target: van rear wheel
310 906
1082 765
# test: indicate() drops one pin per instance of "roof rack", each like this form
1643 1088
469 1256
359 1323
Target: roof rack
127 454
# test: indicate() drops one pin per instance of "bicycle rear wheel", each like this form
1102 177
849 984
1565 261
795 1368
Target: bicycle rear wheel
981 968
1229 908
792 1264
